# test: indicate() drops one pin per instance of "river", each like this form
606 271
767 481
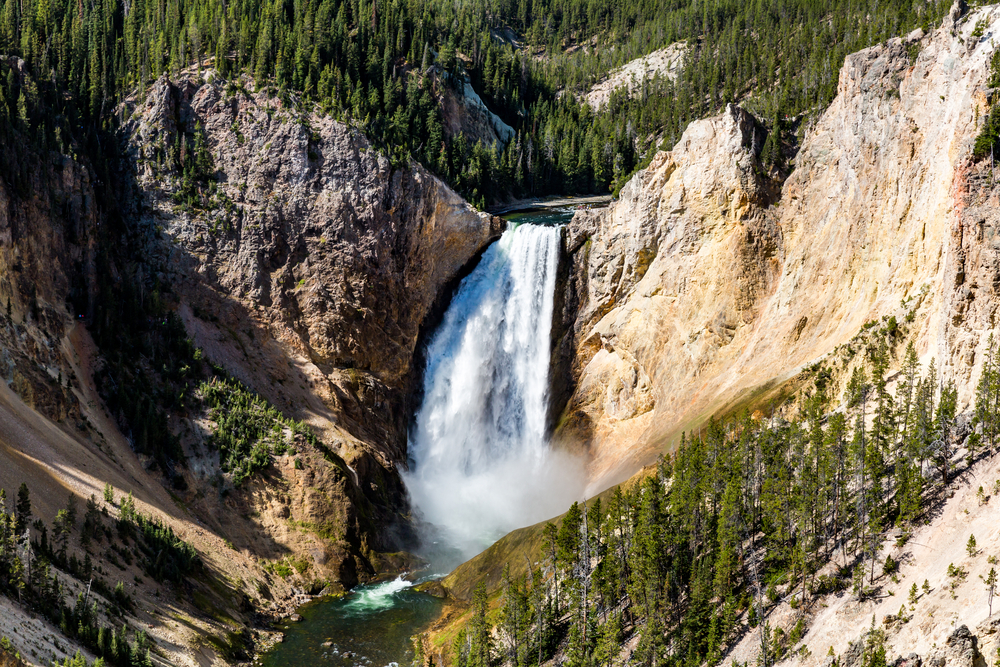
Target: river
498 430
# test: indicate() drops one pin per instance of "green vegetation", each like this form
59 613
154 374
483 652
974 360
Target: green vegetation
38 585
166 556
248 429
287 566
989 135
235 646
381 67
990 582
197 172
279 568
740 519
149 364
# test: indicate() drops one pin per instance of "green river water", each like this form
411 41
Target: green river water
370 627
373 624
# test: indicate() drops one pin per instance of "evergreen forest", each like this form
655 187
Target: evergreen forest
786 506
383 64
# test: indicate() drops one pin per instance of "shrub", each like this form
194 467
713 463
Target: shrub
988 136
248 429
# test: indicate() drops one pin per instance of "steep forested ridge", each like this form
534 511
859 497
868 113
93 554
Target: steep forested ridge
372 62
789 505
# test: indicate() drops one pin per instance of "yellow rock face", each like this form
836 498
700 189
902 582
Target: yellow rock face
706 285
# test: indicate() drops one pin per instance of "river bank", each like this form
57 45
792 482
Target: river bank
370 626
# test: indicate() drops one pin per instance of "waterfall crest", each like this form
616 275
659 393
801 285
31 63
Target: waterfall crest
480 461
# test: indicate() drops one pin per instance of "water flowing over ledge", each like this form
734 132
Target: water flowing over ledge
481 465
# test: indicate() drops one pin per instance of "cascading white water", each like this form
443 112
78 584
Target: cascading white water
480 462
375 598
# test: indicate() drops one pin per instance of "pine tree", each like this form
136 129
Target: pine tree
22 112
943 425
991 584
23 508
479 631
985 412
515 619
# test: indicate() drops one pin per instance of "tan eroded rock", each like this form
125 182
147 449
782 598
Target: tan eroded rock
716 298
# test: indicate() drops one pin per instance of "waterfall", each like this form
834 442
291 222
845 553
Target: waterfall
480 461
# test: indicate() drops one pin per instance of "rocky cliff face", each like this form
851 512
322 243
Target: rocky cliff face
306 266
668 280
700 295
300 262
48 215
465 113
338 253
960 649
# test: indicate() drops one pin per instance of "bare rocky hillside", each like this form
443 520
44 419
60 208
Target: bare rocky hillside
634 75
704 288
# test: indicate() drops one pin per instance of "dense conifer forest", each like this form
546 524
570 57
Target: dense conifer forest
382 63
789 505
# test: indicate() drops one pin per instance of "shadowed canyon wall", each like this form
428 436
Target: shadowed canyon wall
299 261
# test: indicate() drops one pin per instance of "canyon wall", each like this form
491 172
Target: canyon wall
704 290
339 254
307 268
48 216
298 260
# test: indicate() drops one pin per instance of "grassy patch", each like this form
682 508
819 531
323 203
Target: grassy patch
287 566
327 530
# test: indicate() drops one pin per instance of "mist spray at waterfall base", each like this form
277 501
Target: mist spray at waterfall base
481 464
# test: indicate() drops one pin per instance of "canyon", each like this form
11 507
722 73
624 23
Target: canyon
713 288
312 267
309 278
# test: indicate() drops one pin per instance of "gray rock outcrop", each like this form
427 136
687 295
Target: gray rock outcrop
308 266
961 649
315 235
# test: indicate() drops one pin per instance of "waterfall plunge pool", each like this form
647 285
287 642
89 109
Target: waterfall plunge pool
372 626
369 627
